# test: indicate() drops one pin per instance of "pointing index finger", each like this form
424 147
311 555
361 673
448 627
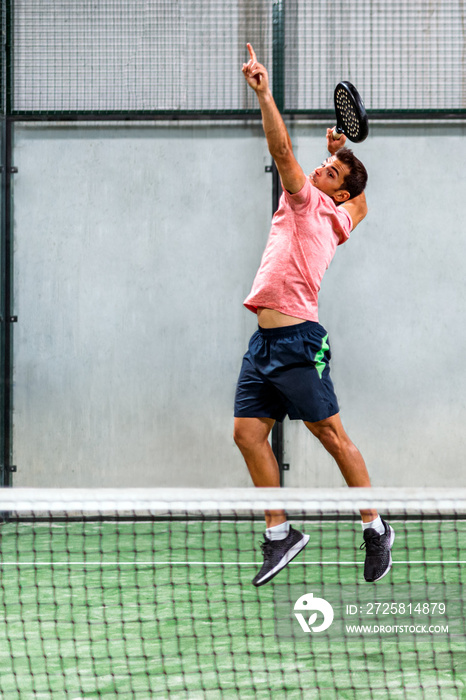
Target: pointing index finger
251 52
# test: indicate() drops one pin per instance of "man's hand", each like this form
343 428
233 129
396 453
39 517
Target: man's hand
255 73
334 144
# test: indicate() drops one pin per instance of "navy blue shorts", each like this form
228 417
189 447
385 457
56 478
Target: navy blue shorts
286 372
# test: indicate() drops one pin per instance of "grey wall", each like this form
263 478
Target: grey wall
134 248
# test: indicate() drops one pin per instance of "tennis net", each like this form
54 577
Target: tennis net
147 594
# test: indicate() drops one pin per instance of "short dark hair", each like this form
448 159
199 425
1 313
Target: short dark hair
356 180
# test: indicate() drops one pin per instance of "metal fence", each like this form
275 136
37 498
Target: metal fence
183 57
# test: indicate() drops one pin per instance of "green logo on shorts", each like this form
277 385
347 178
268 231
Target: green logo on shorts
319 358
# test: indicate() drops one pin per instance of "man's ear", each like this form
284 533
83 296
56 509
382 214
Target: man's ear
341 196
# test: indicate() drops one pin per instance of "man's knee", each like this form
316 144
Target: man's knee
241 436
330 439
251 433
331 435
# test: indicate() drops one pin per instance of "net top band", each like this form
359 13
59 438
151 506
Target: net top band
163 500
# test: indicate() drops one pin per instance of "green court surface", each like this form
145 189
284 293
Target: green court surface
157 609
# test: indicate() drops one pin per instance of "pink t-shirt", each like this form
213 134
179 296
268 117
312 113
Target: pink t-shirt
306 230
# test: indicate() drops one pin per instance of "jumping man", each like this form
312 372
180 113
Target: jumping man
286 369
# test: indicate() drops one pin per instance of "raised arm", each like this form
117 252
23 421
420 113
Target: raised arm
278 139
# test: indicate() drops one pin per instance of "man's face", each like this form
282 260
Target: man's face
329 177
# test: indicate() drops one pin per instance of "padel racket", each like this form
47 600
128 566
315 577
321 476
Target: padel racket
351 113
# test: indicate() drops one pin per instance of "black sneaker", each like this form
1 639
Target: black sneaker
279 553
378 555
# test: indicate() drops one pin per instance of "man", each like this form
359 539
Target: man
286 369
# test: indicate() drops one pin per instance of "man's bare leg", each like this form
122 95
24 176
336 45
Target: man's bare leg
378 535
282 543
252 437
333 437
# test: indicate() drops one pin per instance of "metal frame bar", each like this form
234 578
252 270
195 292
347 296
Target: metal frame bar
6 318
6 251
278 444
278 89
236 115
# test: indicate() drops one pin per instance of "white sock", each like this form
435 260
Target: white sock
376 524
278 532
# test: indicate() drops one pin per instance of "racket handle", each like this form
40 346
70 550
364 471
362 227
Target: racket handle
337 133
